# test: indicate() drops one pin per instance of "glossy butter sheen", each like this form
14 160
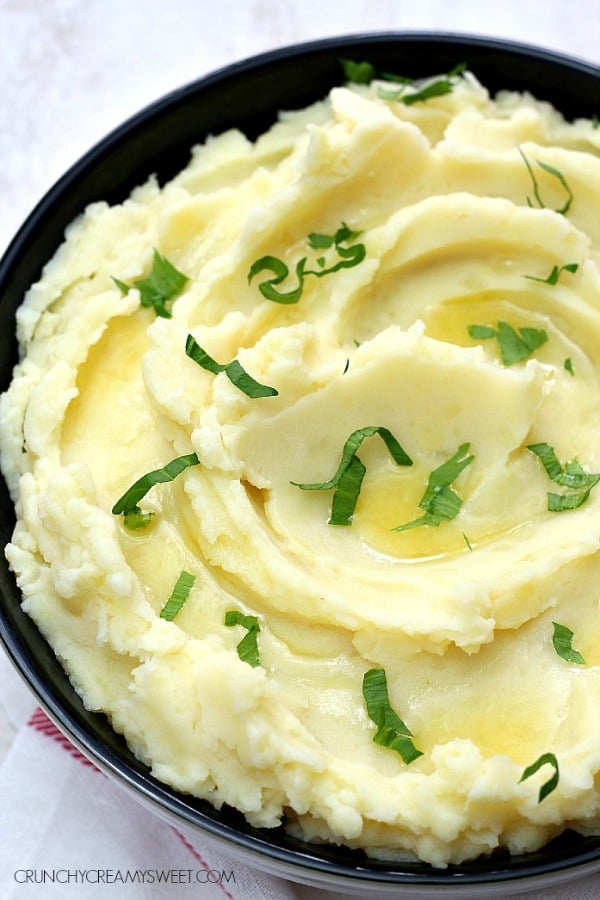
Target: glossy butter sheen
459 615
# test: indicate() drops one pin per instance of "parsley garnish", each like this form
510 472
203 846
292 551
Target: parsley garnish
439 501
536 190
281 272
349 476
551 784
438 88
349 256
365 73
562 640
127 505
234 371
391 730
571 475
179 595
248 646
555 273
358 72
568 365
514 346
163 283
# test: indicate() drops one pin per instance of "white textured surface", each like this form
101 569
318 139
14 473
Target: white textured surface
71 70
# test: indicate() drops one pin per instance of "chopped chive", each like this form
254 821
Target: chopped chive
179 595
391 732
555 273
234 371
552 783
247 648
358 72
268 287
127 504
437 88
551 170
562 640
348 257
440 502
571 475
348 478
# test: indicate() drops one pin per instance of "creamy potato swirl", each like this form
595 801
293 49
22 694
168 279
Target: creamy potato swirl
472 211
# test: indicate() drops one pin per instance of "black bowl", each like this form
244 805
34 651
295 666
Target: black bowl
248 95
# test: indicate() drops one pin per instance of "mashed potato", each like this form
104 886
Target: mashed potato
336 394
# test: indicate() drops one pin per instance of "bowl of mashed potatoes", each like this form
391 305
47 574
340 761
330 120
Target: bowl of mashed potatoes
298 432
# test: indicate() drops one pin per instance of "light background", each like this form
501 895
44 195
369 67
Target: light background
71 70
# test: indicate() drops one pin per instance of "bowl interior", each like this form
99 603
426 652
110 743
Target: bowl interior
248 95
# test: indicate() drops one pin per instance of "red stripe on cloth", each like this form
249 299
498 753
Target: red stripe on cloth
197 856
40 722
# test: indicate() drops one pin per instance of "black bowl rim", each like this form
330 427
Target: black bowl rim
149 791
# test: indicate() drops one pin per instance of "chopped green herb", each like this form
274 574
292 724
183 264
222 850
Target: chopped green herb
135 519
179 595
550 461
127 505
124 288
365 73
281 272
438 88
571 475
551 170
344 234
234 371
347 366
349 256
564 502
467 541
555 273
552 783
348 478
568 365
440 502
358 72
392 76
562 640
391 730
163 283
248 647
514 346
240 378
345 496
